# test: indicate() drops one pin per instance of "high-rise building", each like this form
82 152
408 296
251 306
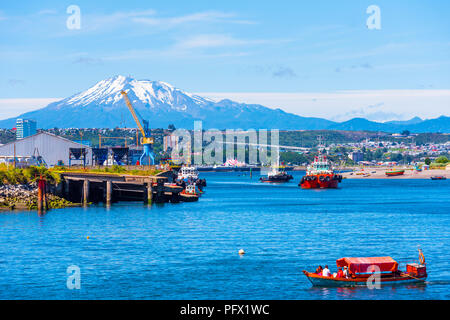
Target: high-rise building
25 128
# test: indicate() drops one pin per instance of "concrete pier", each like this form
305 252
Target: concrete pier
109 188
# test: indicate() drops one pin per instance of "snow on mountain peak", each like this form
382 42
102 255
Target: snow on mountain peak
147 92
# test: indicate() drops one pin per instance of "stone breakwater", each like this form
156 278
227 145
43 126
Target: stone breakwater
24 197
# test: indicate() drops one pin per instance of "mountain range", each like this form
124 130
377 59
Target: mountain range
102 106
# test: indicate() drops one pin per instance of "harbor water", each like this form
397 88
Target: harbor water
190 250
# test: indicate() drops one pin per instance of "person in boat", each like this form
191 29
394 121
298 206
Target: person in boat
326 272
319 270
345 272
340 273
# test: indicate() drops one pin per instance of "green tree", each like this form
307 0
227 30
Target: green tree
427 161
442 159
405 133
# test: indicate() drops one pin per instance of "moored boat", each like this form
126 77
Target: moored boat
320 174
363 271
189 175
276 176
392 173
438 178
190 194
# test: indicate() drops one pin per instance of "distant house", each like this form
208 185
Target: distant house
447 167
53 149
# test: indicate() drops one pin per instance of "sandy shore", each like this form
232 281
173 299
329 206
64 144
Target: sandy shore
377 173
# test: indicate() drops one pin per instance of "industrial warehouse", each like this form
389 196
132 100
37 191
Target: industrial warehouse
44 148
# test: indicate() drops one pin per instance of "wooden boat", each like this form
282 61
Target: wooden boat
392 173
362 271
438 178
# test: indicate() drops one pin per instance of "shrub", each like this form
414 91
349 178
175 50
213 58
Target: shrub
442 159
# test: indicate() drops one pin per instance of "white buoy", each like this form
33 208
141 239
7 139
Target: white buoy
241 251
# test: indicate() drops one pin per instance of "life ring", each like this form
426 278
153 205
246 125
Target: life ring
421 257
327 178
313 178
321 178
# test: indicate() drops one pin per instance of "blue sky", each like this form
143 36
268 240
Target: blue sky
244 50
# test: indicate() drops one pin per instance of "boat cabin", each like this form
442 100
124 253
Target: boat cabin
188 172
368 264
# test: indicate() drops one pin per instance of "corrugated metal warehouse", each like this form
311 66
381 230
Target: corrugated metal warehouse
50 147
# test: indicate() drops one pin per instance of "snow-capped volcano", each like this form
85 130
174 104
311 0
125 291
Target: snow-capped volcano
151 93
102 106
161 104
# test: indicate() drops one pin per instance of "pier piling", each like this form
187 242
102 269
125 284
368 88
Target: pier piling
42 202
85 192
108 192
149 193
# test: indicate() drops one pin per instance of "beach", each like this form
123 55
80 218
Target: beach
380 173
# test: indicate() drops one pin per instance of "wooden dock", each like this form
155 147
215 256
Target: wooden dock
108 188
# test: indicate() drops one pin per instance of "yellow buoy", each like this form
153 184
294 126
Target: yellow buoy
241 251
87 237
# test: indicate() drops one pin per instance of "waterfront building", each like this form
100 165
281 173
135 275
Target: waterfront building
25 128
53 149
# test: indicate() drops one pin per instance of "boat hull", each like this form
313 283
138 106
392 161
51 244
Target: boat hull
395 173
188 197
320 281
276 179
319 182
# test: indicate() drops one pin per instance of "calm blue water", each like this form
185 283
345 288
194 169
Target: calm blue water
189 250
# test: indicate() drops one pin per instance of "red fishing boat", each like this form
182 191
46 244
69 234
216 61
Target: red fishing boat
362 271
392 173
320 174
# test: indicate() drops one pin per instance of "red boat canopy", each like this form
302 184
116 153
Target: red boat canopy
362 265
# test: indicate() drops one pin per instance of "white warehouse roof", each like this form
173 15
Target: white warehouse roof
50 147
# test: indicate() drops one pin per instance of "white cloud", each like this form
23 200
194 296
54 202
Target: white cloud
215 40
380 105
207 16
14 107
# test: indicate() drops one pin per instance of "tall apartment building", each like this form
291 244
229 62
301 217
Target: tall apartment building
25 128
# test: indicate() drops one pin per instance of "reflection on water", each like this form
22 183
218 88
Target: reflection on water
190 250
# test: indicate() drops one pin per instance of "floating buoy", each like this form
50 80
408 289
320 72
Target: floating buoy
241 251
87 237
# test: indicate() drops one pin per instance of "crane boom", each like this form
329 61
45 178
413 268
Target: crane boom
145 138
133 113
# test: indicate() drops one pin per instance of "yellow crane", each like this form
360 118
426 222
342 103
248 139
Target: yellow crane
146 140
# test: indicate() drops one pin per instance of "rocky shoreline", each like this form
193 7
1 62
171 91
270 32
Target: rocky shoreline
24 197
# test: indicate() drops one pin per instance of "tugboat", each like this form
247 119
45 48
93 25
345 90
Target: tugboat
362 270
190 194
320 174
189 175
276 176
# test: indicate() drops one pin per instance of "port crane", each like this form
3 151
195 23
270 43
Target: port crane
147 156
